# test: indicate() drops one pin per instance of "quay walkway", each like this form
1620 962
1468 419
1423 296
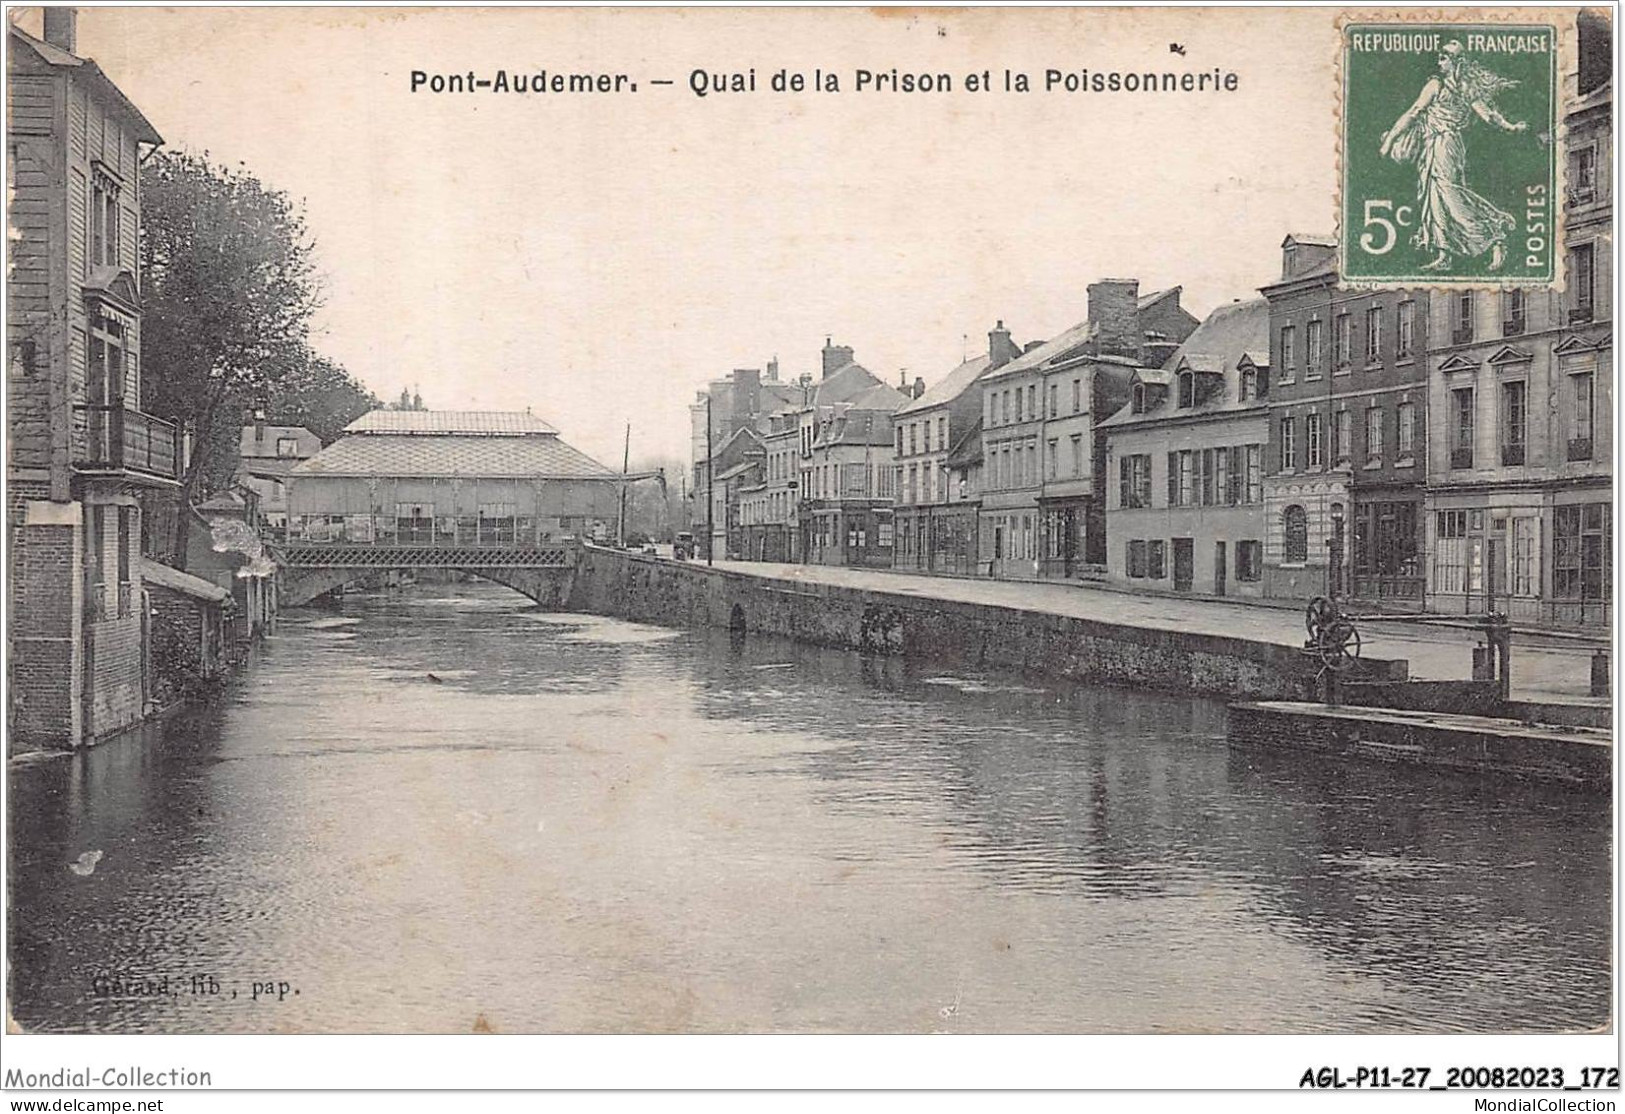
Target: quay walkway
1543 668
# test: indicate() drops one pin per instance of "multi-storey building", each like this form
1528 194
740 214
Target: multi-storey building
1348 420
1043 459
1520 487
847 511
1186 510
743 400
267 454
81 449
933 533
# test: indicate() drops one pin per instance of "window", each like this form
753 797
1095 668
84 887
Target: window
1053 450
1450 552
992 417
1006 407
1314 354
1187 478
1462 330
1514 307
913 438
1295 535
1077 396
1289 448
1373 434
1187 390
287 446
1344 340
1249 383
126 589
1581 428
1136 559
1525 556
942 432
1373 335
1289 352
1054 400
1077 457
1405 332
1583 174
925 435
1461 428
1249 560
1032 400
1580 552
1205 482
1156 559
1312 440
1514 410
1405 439
1139 398
1342 436
1255 474
496 524
1223 478
104 221
1134 481
1583 278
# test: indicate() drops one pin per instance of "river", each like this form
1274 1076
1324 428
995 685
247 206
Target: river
443 810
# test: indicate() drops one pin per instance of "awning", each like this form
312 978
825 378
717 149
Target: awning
184 582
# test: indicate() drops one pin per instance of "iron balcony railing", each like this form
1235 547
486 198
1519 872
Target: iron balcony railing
1511 455
1580 448
1461 458
118 439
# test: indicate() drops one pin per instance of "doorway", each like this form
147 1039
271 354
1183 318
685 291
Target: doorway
1184 564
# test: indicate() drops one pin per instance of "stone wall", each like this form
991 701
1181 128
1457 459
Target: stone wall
676 593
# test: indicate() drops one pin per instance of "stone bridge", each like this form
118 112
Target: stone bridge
544 571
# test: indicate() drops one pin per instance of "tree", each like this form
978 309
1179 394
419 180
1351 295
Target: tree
229 287
319 395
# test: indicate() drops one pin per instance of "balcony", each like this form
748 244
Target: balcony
1461 334
1580 448
120 441
1512 327
1580 315
1461 458
1511 455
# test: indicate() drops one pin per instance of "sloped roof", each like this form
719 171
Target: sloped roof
950 386
184 582
1052 349
1151 299
844 384
468 456
500 423
968 449
1218 344
53 55
1315 239
858 427
879 397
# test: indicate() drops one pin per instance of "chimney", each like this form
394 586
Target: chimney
1114 311
1000 348
62 28
1032 344
747 391
259 416
919 387
773 370
835 356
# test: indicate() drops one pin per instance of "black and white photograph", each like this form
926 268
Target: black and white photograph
606 522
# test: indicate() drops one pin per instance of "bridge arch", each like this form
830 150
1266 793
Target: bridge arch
548 587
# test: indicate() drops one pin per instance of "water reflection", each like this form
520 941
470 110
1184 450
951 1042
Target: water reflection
448 806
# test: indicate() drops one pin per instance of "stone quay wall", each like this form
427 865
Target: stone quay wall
683 594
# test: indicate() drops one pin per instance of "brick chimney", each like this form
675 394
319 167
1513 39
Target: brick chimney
1000 348
919 387
835 356
62 28
1114 310
773 370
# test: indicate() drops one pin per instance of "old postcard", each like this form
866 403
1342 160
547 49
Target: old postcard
601 521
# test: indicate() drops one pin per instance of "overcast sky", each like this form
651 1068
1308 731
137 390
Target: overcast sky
598 258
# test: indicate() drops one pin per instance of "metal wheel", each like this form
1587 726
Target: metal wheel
1340 646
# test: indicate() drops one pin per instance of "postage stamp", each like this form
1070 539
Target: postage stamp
1449 154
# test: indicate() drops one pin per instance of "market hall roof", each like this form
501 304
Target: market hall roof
484 423
452 443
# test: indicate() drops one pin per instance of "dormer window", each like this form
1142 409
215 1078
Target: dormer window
1249 383
1187 390
1139 398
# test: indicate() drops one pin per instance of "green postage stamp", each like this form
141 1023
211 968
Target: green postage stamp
1449 163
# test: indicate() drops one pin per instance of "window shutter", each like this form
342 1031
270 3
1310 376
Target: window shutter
1173 479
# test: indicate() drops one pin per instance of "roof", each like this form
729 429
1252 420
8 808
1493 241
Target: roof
1151 299
467 456
488 423
1052 349
858 427
951 386
1317 239
968 449
53 55
184 582
844 384
1218 344
879 397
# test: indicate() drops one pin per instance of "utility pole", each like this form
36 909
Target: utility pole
626 463
710 526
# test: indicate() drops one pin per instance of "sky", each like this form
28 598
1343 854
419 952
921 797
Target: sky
599 257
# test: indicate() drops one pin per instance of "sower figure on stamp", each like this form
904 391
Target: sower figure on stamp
1452 218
